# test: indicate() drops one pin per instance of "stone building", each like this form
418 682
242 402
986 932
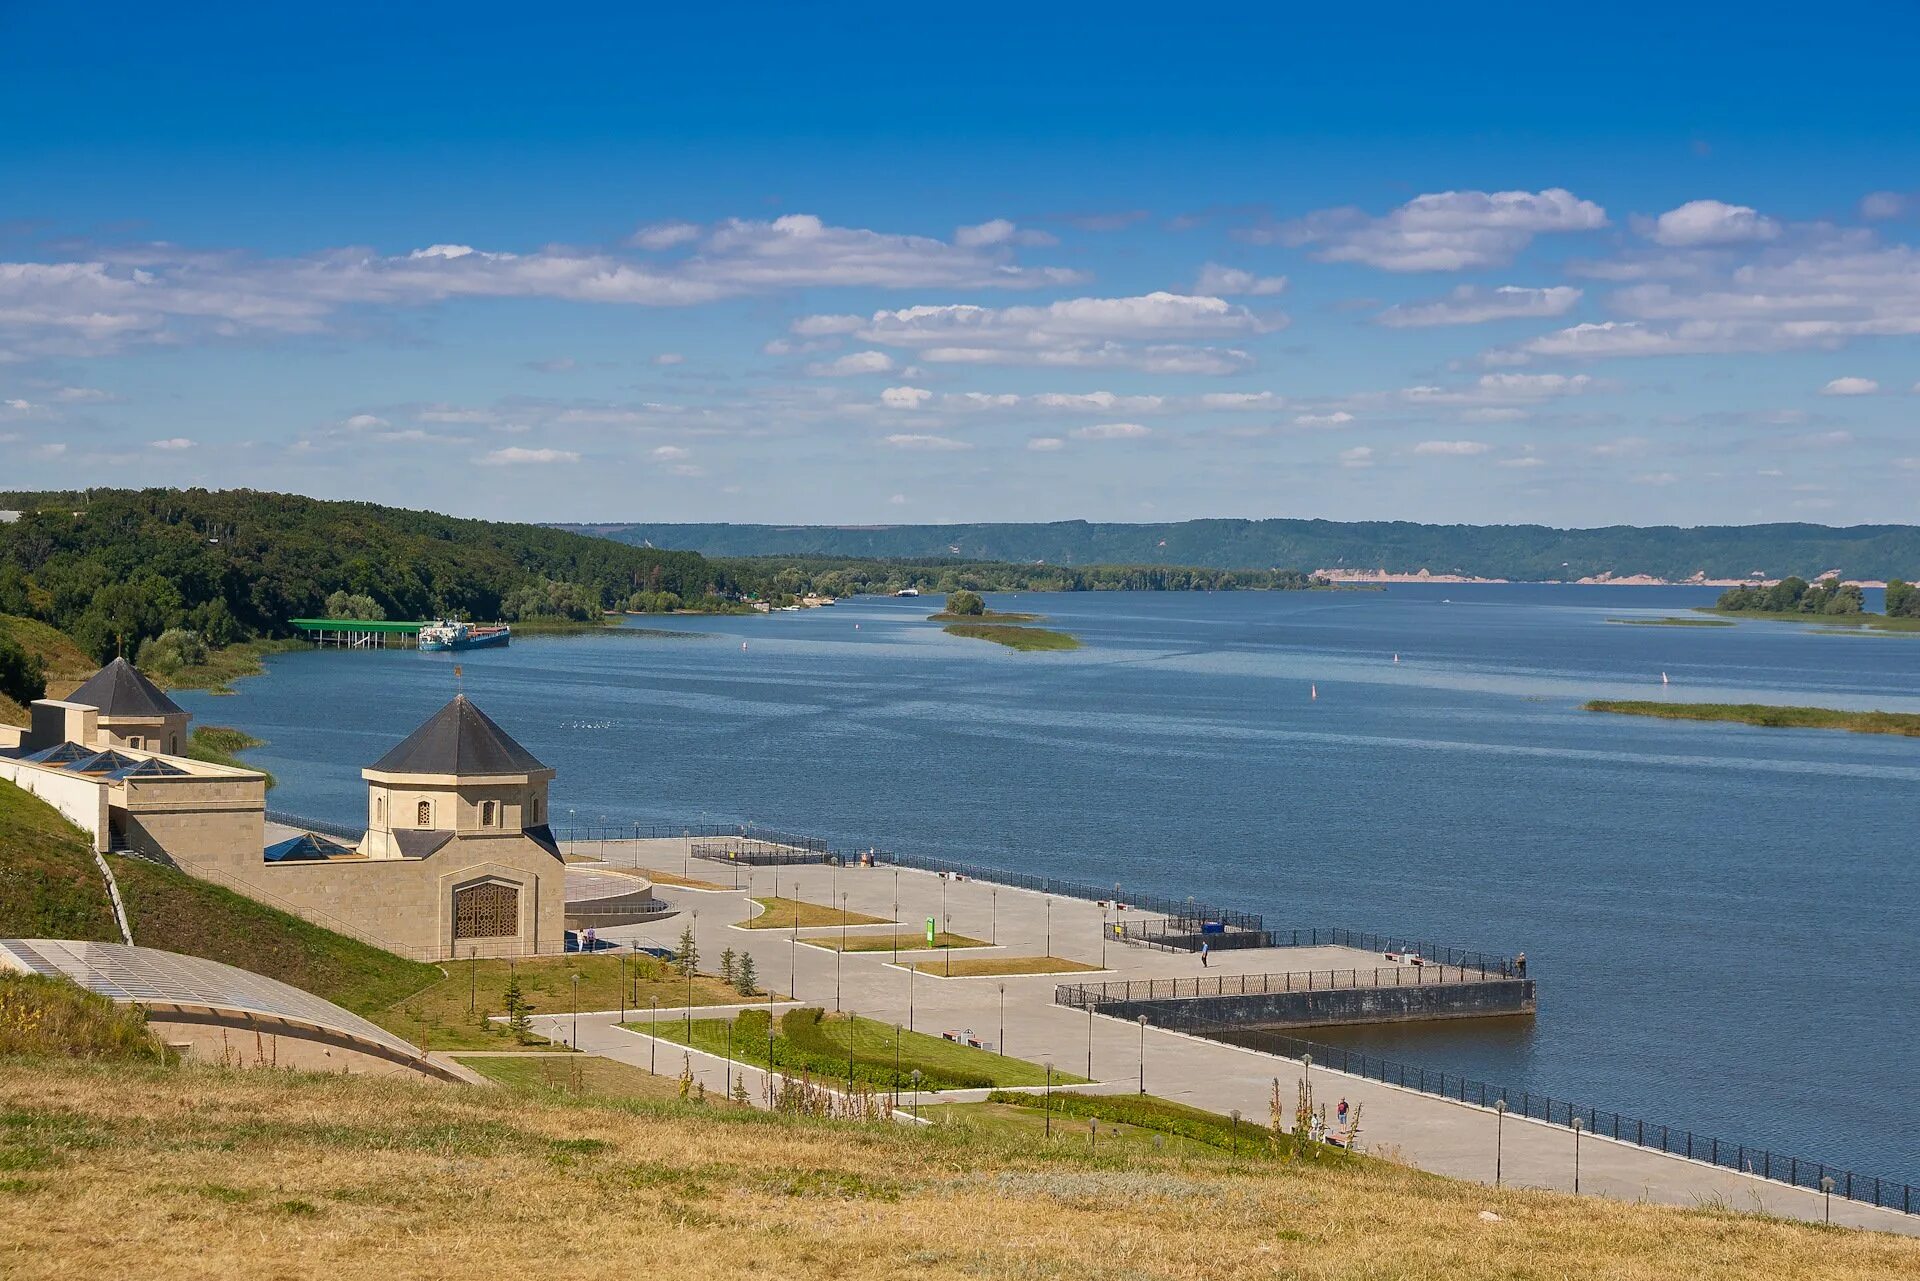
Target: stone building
133 711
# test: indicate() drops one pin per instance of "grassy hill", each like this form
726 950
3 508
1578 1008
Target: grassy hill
110 1168
51 888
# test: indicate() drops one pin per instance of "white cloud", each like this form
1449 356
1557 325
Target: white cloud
515 456
1878 205
905 397
1523 460
665 235
1045 444
1152 332
1452 448
1441 231
161 293
856 362
1111 431
1241 400
1656 478
555 365
671 453
1358 456
1850 387
83 396
367 422
1503 389
898 500
1711 222
1103 401
173 443
666 358
921 441
1338 418
1472 305
1216 279
999 231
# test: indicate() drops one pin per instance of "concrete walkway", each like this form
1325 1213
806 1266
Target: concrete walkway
1424 1130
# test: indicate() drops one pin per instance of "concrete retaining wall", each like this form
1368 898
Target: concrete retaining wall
1476 999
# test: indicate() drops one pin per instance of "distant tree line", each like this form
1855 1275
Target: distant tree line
842 576
1796 596
1903 599
115 569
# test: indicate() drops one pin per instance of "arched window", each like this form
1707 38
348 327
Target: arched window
423 814
488 813
534 816
379 811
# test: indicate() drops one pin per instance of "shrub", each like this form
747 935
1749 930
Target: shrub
22 678
966 603
172 650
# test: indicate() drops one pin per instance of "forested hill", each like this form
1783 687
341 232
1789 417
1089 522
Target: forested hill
1528 552
112 568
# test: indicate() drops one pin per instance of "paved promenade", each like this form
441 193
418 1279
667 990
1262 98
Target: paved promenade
1424 1130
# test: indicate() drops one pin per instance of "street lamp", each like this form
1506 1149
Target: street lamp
1143 1053
1576 1156
1826 1191
896 916
1049 1104
573 836
910 968
1002 1043
993 925
839 957
688 962
1499 1136
653 1036
576 1011
1235 1114
729 1056
1049 948
1089 1043
916 1094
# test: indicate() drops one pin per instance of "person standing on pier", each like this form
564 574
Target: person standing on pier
1520 965
1343 1113
1206 950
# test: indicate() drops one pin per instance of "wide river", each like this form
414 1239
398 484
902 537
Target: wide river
1725 921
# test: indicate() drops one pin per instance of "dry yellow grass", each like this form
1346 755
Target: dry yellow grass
983 967
200 1174
793 913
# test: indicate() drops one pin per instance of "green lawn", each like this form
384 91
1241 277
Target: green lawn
1904 723
886 942
457 1011
828 1045
1020 638
791 913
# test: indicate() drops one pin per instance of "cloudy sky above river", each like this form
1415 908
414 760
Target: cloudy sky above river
874 264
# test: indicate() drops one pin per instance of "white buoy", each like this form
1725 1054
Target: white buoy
1313 691
743 644
1396 658
1663 679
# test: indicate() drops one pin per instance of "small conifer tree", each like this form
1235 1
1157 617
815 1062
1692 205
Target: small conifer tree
744 978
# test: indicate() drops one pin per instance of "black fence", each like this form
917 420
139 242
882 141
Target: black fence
1082 995
600 828
1890 1194
754 852
1366 941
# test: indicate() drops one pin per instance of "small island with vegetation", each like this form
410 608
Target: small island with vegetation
966 614
1763 714
1827 601
1672 622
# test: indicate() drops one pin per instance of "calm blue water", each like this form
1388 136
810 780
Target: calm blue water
1722 918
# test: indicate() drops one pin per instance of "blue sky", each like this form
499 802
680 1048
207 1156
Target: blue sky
867 264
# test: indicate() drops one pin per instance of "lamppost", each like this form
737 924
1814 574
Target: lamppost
1049 947
576 1011
1089 1043
573 835
623 986
1103 937
1826 1191
793 963
1143 1053
1576 1156
473 978
634 969
1499 1137
896 1065
916 1094
1002 1042
896 916
729 1056
910 968
653 1036
840 957
1235 1114
1049 1104
946 927
603 838
993 925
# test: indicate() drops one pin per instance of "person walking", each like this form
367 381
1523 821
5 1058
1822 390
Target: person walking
1520 965
1343 1113
1206 950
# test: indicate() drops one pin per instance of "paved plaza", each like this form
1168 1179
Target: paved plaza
1432 1133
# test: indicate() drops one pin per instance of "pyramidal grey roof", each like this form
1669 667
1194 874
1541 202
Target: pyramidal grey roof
118 689
459 739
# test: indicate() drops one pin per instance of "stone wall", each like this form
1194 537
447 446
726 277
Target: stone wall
1478 998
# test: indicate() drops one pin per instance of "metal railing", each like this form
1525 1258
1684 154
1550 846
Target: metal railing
754 852
1082 995
1800 1172
1190 910
1367 941
322 826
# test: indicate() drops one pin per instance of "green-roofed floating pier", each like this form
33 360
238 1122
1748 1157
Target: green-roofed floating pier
360 633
